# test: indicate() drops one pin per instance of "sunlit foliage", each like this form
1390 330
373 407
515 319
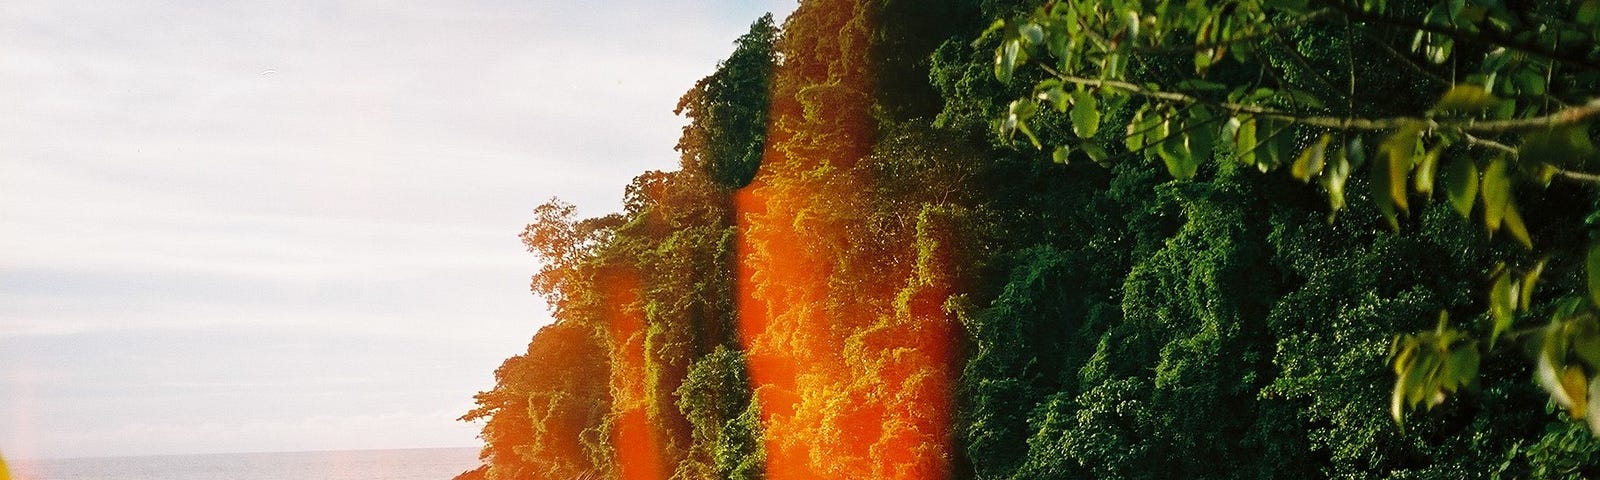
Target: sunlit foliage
1111 239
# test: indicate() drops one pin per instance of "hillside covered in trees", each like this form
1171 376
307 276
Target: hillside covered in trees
987 239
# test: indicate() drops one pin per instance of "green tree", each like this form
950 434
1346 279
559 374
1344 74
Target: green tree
1465 99
726 136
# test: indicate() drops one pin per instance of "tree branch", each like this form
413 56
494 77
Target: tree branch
1485 37
1565 116
1578 176
1489 144
1572 175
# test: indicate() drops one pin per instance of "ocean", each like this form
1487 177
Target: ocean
409 464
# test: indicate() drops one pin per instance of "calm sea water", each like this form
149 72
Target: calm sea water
410 464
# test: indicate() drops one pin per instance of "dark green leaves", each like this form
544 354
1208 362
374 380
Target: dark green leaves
1565 146
1174 151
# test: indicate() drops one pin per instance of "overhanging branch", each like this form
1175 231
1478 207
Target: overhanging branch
1566 116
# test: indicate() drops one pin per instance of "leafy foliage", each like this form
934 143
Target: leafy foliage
727 135
1070 252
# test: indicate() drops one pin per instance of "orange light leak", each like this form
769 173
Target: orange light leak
636 441
849 349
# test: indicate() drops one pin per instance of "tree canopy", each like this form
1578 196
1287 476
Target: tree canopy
1108 239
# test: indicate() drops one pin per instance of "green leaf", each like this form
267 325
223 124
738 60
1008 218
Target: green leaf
1495 192
1051 91
1566 145
1311 160
1551 360
1174 152
1513 224
1470 99
1274 149
1357 152
1333 180
1141 130
1031 33
1440 49
1422 182
1244 141
1382 191
1588 13
1085 114
1400 152
1202 132
1529 82
1454 9
1006 59
1028 132
1060 155
1461 185
1097 154
1529 281
1586 343
1020 112
1418 379
1575 383
1502 304
1463 366
1403 353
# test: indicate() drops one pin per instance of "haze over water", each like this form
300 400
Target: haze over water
405 464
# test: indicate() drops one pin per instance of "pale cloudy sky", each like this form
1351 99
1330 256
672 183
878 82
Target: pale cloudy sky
291 225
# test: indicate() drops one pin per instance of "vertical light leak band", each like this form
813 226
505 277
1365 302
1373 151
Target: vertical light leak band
849 346
635 440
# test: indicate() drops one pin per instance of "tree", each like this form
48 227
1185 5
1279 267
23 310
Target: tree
1463 98
726 136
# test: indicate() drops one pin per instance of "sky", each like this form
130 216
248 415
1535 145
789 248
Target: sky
292 225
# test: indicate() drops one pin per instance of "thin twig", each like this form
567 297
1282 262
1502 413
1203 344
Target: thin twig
1489 144
1350 60
1573 175
1577 176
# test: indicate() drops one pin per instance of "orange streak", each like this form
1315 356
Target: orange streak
847 342
634 439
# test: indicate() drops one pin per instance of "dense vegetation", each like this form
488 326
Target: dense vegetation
1083 243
